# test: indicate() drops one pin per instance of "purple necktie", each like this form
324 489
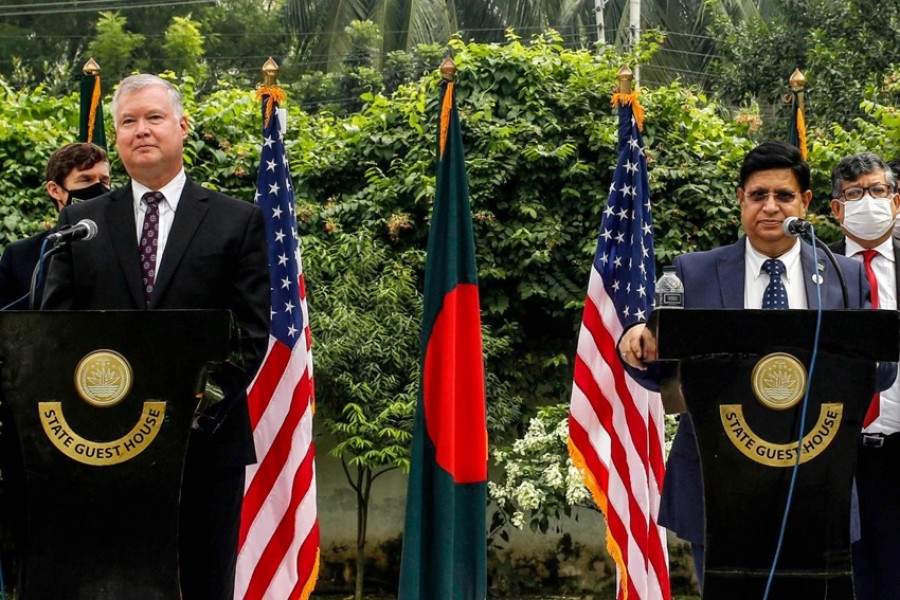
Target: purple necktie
150 241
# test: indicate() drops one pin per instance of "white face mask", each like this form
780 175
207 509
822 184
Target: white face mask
868 218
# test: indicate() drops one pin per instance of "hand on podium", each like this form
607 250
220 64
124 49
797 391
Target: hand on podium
637 347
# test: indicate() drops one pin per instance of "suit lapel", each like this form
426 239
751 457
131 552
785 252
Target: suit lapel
191 210
123 235
730 270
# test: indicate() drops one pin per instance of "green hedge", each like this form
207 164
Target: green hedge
540 134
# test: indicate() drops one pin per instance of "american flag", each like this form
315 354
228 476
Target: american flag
616 427
278 551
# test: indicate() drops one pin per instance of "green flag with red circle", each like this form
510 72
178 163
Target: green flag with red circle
444 540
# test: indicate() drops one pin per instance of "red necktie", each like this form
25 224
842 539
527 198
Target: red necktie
150 241
875 405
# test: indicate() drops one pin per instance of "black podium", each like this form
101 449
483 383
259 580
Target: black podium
743 374
103 404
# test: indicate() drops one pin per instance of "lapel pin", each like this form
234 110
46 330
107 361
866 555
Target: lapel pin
821 266
817 279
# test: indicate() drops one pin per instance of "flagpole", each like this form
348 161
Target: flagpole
634 18
278 545
798 84
797 99
91 112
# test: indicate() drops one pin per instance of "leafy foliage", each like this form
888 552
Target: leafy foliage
843 47
539 134
114 46
539 482
183 46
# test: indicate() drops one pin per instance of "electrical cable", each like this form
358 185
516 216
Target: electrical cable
803 408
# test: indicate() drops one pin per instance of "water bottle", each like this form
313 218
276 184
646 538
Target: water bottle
669 290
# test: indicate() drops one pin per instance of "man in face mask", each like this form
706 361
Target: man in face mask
865 202
74 172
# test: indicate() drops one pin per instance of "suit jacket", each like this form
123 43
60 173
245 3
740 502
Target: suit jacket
840 247
16 267
215 258
715 279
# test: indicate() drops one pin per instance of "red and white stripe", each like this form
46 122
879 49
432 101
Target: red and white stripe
278 551
616 437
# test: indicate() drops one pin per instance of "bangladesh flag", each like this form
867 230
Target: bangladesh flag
91 116
444 541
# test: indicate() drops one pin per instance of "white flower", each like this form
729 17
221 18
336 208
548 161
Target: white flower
527 496
553 476
518 519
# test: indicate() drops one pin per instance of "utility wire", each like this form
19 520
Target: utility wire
117 7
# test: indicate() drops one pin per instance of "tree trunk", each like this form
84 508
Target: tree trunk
364 485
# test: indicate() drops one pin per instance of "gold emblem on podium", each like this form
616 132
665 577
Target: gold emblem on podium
779 380
103 378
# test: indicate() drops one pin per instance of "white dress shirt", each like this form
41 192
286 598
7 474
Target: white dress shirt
888 420
172 192
756 280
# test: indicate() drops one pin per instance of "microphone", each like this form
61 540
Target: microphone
796 227
84 229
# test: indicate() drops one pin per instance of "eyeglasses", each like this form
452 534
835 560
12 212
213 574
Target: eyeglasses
877 190
763 195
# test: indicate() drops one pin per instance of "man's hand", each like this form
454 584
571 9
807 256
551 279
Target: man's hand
638 346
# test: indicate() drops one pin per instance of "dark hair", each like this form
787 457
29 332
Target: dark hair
73 156
776 155
895 167
853 167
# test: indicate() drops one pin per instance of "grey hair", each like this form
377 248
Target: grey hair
853 167
134 83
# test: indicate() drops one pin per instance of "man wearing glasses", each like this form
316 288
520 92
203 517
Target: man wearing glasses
865 202
764 269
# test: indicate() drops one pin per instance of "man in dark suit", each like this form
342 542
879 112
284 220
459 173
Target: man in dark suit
774 185
164 242
865 202
74 172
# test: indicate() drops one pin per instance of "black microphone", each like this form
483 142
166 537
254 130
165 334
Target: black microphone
796 227
84 229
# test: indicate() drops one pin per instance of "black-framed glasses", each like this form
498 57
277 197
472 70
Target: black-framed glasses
763 195
876 190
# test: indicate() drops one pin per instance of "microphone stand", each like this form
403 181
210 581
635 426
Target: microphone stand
37 274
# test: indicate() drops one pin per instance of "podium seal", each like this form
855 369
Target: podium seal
103 378
778 380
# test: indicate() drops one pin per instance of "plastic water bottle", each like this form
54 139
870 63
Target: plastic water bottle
669 290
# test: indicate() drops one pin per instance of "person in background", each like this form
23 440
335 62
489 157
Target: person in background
865 202
74 172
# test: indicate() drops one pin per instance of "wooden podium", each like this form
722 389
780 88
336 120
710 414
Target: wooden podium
742 376
103 403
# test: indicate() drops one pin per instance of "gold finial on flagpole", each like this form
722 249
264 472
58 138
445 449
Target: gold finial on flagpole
798 80
91 67
625 76
270 73
798 84
448 69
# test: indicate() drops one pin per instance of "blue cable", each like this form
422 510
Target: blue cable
812 366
